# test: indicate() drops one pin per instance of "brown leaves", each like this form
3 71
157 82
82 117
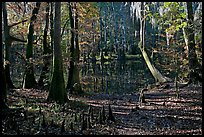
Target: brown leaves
177 116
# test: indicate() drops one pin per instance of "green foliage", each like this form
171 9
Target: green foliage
174 16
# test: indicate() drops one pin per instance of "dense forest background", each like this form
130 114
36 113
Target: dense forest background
67 50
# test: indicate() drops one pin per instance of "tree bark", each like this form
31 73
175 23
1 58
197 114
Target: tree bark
101 35
4 87
195 73
74 85
29 79
51 26
46 51
57 89
8 42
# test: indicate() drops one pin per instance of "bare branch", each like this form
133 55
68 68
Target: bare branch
17 39
14 24
22 56
64 27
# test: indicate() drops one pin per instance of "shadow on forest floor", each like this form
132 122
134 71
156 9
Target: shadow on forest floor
163 114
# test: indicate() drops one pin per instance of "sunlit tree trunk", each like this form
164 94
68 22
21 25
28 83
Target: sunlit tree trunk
74 85
29 79
46 51
57 88
194 66
156 74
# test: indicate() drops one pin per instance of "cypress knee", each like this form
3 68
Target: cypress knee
52 123
71 126
84 123
43 122
110 116
103 114
142 97
100 118
88 122
62 127
75 117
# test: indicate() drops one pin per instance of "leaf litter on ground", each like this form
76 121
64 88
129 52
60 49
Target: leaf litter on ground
163 114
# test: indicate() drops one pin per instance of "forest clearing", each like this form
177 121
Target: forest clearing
101 68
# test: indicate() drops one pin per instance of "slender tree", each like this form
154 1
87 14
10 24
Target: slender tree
3 78
4 84
51 25
29 78
156 74
57 88
74 85
46 50
115 28
101 32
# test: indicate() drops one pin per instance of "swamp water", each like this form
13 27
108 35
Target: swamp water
115 77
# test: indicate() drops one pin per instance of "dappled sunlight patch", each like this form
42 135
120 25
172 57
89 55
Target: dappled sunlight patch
120 113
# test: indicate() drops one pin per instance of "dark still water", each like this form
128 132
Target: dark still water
111 77
115 77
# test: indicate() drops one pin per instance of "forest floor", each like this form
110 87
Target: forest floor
163 114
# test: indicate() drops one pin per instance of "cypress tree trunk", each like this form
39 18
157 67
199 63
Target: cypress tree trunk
57 88
29 79
46 51
74 85
8 42
194 66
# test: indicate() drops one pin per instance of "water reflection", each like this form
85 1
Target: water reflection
115 76
108 77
